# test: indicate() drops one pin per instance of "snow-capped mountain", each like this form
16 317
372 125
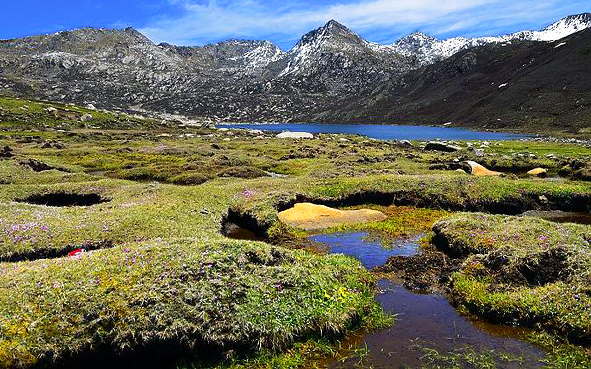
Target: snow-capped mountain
427 49
564 27
331 38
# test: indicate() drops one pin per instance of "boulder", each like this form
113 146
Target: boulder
311 216
86 118
538 172
440 146
480 171
295 135
478 152
405 143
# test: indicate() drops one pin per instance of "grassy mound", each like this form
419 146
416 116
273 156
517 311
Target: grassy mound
186 293
522 270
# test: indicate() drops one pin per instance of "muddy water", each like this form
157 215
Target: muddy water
423 320
236 232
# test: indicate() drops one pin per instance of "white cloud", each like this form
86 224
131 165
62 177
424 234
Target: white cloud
211 20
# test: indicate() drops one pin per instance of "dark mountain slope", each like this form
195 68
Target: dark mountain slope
524 85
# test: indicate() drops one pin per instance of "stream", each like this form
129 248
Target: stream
428 330
423 320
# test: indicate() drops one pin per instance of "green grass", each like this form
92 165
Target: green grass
523 270
167 274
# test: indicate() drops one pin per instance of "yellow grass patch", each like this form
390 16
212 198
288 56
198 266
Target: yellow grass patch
311 216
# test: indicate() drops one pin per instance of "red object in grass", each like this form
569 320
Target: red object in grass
76 252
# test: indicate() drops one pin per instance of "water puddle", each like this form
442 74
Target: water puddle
424 322
371 251
560 216
236 232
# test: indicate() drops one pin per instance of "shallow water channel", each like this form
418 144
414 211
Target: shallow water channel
424 321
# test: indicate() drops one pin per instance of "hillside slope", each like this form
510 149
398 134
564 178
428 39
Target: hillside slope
529 85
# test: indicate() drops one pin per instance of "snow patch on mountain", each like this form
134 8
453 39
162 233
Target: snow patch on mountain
429 50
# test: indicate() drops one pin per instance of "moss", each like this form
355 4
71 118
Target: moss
190 178
242 172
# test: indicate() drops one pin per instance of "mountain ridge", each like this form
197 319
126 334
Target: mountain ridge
247 80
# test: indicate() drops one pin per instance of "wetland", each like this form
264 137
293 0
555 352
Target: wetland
136 242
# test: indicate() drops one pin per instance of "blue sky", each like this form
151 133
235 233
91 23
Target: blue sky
197 22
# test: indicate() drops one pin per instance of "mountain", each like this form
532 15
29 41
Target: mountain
530 85
331 74
427 49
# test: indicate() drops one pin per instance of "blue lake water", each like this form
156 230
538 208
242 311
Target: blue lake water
384 132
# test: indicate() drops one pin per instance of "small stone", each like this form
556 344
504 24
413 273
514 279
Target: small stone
439 146
295 135
478 152
86 118
538 172
405 143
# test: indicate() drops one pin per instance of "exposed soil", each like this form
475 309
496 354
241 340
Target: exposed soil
38 166
507 205
64 199
56 253
427 271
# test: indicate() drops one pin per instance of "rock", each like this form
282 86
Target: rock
478 152
86 118
6 152
295 135
90 106
311 216
405 143
538 172
440 146
50 109
36 165
480 171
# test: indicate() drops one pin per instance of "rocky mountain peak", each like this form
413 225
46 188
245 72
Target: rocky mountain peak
414 40
331 32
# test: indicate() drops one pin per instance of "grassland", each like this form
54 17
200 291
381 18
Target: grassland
159 277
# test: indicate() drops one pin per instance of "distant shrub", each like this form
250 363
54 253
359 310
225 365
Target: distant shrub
190 178
242 172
